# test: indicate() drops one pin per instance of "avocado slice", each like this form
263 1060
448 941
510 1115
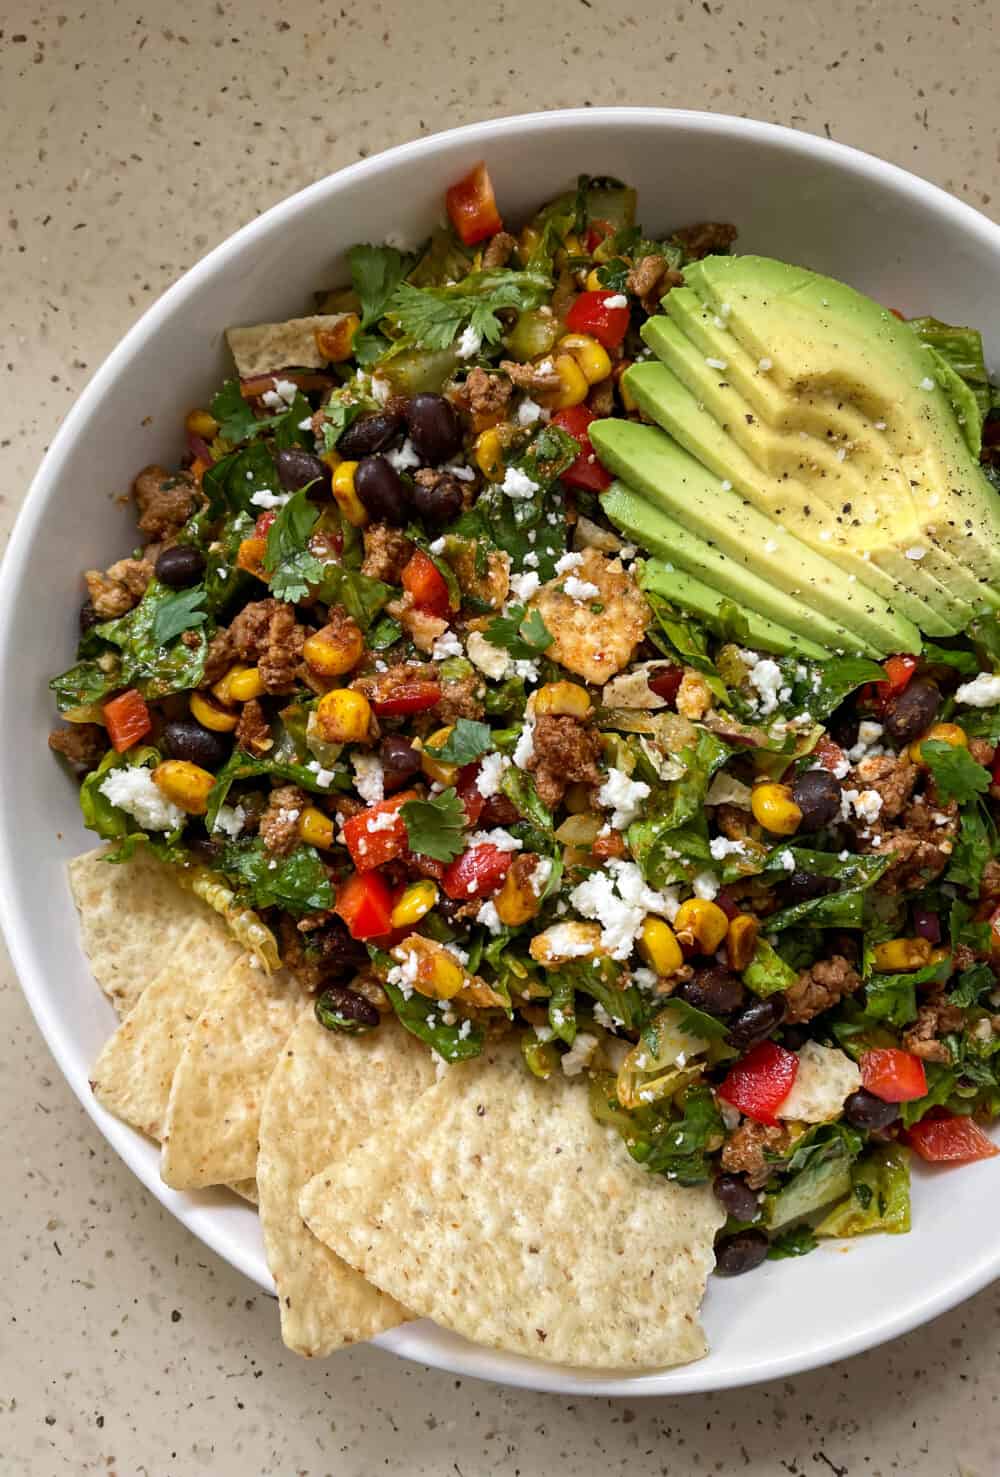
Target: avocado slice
652 527
830 343
660 394
648 459
659 577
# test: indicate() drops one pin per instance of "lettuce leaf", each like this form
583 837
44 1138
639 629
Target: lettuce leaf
298 883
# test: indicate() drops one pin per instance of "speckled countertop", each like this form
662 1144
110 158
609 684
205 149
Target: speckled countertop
136 137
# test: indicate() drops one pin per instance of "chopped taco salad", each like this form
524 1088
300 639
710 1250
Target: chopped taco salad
544 741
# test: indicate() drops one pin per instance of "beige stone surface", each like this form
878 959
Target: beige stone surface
134 138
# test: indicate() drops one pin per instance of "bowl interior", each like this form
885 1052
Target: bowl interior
803 199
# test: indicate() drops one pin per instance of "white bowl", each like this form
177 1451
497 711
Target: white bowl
805 199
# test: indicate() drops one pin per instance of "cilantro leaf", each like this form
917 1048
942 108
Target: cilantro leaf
178 613
956 774
974 847
235 415
298 883
435 826
467 741
288 559
433 317
973 984
524 637
376 272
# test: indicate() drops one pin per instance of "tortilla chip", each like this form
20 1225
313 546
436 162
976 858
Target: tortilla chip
133 920
507 1213
326 1095
133 1073
264 347
213 1112
247 1190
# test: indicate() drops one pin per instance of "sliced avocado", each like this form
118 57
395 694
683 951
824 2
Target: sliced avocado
649 460
661 396
652 527
659 577
827 341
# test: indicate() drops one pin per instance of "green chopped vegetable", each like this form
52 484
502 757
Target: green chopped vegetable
435 826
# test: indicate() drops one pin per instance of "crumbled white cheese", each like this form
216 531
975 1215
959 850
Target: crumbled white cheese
765 364
618 898
381 389
404 974
469 343
825 1079
579 1054
868 745
230 820
715 363
464 474
705 885
539 879
623 797
617 300
282 396
518 485
528 412
916 552
765 678
269 500
492 660
578 589
982 692
866 804
524 586
446 645
324 777
404 457
491 767
489 917
787 860
566 563
133 790
369 777
499 838
720 847
927 383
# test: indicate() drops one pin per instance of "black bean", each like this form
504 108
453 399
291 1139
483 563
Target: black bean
802 887
913 711
864 1110
297 468
736 1197
369 434
441 503
757 1022
186 739
794 1037
498 811
338 953
89 616
737 1254
342 1009
714 990
400 762
382 490
435 430
817 794
180 566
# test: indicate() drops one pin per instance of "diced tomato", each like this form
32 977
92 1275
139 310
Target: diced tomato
364 902
759 1083
950 1140
465 786
666 683
586 472
830 755
478 872
898 671
892 1075
597 232
263 524
472 206
128 719
408 697
591 314
371 840
424 581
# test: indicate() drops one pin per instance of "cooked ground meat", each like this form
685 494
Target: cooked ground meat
499 250
83 744
219 657
920 848
387 550
601 398
893 777
118 591
982 751
705 237
253 732
650 278
933 1020
460 699
744 1151
734 822
248 631
281 659
320 950
820 987
566 753
536 379
990 885
279 825
484 396
166 501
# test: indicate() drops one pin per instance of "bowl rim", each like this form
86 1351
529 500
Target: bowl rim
211 1228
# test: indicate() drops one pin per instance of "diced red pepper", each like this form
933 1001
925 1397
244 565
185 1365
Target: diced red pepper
426 584
128 720
591 314
364 902
252 387
897 314
465 787
586 472
950 1140
759 1083
898 671
472 206
478 872
597 232
408 697
263 524
830 755
666 683
894 1076
370 840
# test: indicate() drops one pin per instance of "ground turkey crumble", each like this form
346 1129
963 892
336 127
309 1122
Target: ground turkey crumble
744 1152
566 752
279 825
820 987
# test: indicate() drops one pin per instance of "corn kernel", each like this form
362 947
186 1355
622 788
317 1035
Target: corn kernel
527 242
315 828
573 386
658 946
250 556
344 716
941 733
741 941
594 283
517 900
416 901
201 423
896 956
334 650
629 402
572 244
774 809
246 685
700 925
444 774
592 357
488 452
210 714
346 495
563 699
335 343
577 798
221 690
184 783
447 976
